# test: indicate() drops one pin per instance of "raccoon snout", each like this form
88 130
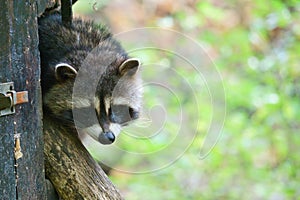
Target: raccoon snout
107 137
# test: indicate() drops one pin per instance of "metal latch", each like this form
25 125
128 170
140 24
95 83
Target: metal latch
9 98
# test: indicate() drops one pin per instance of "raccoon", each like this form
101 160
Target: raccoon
116 99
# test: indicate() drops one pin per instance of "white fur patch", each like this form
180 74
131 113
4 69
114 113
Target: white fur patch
78 38
125 101
107 101
81 103
120 101
94 131
65 65
97 104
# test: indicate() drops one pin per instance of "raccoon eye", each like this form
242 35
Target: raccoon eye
122 114
133 114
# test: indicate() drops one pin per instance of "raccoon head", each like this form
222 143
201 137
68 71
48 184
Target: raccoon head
115 103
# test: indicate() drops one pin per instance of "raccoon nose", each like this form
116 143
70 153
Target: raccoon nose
110 136
107 137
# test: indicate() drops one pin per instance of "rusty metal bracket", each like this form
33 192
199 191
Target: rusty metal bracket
9 98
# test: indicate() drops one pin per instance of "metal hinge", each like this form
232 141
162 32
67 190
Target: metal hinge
9 98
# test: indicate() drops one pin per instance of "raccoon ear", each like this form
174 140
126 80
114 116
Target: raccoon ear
129 66
64 71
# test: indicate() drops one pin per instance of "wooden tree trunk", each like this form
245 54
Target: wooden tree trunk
72 170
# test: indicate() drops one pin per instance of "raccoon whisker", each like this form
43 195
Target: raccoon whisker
127 123
94 131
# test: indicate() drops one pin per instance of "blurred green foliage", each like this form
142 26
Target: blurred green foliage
256 48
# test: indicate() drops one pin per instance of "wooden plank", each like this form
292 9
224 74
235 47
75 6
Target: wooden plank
7 180
19 62
28 119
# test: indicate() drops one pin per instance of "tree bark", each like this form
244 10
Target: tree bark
70 167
